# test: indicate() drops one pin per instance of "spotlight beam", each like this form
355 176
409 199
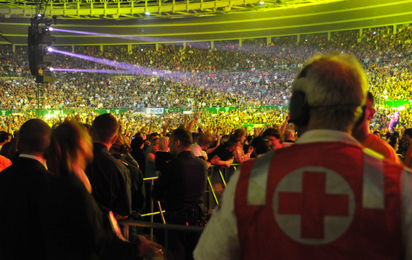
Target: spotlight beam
130 68
181 77
95 71
122 65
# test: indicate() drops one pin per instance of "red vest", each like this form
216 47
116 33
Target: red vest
328 200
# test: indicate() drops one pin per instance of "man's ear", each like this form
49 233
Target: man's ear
114 139
178 143
371 114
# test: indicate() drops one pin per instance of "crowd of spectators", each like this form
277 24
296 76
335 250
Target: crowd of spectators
196 76
223 138
227 120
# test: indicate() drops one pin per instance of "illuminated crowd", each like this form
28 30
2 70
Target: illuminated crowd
229 75
224 104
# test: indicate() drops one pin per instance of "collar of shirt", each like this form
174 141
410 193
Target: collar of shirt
39 159
184 154
321 135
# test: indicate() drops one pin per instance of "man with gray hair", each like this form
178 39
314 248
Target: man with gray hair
325 197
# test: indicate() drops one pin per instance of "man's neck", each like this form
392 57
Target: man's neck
361 133
314 126
38 155
183 150
108 146
35 156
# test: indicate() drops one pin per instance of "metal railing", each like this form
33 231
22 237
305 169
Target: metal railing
166 227
222 176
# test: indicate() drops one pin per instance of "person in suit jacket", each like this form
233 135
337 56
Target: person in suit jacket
20 185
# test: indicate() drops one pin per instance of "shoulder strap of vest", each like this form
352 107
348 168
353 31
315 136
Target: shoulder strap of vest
256 193
373 194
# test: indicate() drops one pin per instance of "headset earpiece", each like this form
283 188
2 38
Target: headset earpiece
362 117
299 109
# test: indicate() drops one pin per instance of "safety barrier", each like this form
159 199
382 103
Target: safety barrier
217 177
166 227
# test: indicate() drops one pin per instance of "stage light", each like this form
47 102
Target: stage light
147 13
50 49
51 69
262 3
39 15
51 29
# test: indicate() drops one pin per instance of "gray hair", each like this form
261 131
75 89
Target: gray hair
335 87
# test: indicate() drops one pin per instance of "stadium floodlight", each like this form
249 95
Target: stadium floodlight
147 13
262 3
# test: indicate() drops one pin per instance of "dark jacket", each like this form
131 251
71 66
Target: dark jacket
110 180
20 186
184 182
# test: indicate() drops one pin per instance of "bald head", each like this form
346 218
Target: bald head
34 137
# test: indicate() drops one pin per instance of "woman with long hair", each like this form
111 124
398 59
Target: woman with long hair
73 224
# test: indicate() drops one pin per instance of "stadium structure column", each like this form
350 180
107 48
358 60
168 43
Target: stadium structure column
129 48
184 45
13 48
360 32
269 40
212 45
395 31
157 46
240 42
298 39
73 48
328 36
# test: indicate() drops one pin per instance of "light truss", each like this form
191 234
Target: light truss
145 9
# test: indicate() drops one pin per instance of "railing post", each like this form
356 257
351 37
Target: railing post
151 211
161 212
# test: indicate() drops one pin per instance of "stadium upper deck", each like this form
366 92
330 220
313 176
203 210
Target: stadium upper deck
150 21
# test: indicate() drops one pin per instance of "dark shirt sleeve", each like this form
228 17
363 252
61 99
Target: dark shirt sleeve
110 180
162 160
162 184
137 189
122 202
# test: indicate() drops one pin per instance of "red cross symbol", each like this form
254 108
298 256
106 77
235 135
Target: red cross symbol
313 204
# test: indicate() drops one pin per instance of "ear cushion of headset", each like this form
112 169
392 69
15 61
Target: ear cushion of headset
299 109
362 117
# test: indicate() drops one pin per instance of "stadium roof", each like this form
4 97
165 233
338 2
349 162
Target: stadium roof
199 20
